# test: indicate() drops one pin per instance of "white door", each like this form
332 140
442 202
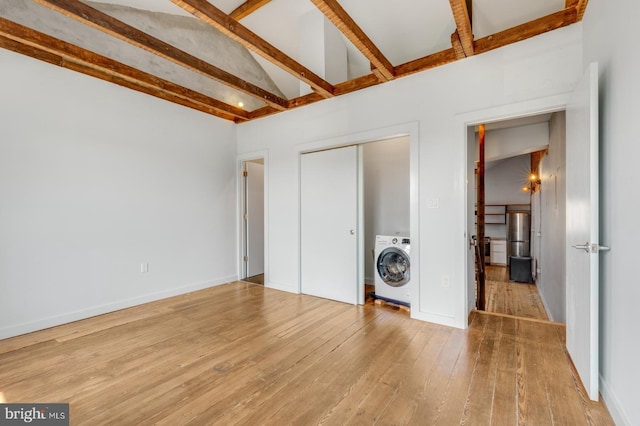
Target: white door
582 230
255 218
329 224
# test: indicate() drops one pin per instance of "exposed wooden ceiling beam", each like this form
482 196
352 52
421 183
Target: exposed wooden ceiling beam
20 39
262 112
511 35
377 73
422 64
238 32
247 8
340 89
463 25
86 14
527 30
581 6
40 46
457 45
341 19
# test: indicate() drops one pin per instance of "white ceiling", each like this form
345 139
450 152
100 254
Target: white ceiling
492 16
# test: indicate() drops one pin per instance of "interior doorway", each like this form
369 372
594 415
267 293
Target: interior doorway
524 216
253 214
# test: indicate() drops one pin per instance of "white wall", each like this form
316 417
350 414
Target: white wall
544 66
549 228
96 179
606 40
504 181
386 194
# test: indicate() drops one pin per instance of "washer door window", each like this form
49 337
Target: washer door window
393 266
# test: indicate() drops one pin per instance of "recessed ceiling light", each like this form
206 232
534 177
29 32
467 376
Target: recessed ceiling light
240 104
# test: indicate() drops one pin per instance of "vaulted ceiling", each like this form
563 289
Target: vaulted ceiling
241 60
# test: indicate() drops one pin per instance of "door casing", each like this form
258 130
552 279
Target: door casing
240 209
464 122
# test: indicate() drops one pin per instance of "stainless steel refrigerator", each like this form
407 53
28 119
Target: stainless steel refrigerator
518 234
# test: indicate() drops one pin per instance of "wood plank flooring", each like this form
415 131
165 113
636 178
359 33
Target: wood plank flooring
512 298
256 279
244 354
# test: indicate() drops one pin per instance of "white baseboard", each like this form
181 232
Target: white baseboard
438 319
615 409
283 287
41 324
546 307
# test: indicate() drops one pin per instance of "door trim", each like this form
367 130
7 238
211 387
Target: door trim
240 197
410 129
489 115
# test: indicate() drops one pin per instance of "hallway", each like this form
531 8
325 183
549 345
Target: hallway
512 298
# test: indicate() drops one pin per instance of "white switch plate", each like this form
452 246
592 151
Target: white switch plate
433 203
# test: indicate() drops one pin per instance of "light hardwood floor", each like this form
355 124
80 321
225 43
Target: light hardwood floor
512 298
244 354
256 279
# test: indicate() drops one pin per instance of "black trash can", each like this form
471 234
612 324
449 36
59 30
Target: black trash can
520 269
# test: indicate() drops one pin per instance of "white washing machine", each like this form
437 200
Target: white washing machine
393 268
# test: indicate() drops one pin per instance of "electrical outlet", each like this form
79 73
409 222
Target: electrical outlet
445 281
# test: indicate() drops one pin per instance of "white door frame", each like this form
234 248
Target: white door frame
410 129
500 113
240 197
